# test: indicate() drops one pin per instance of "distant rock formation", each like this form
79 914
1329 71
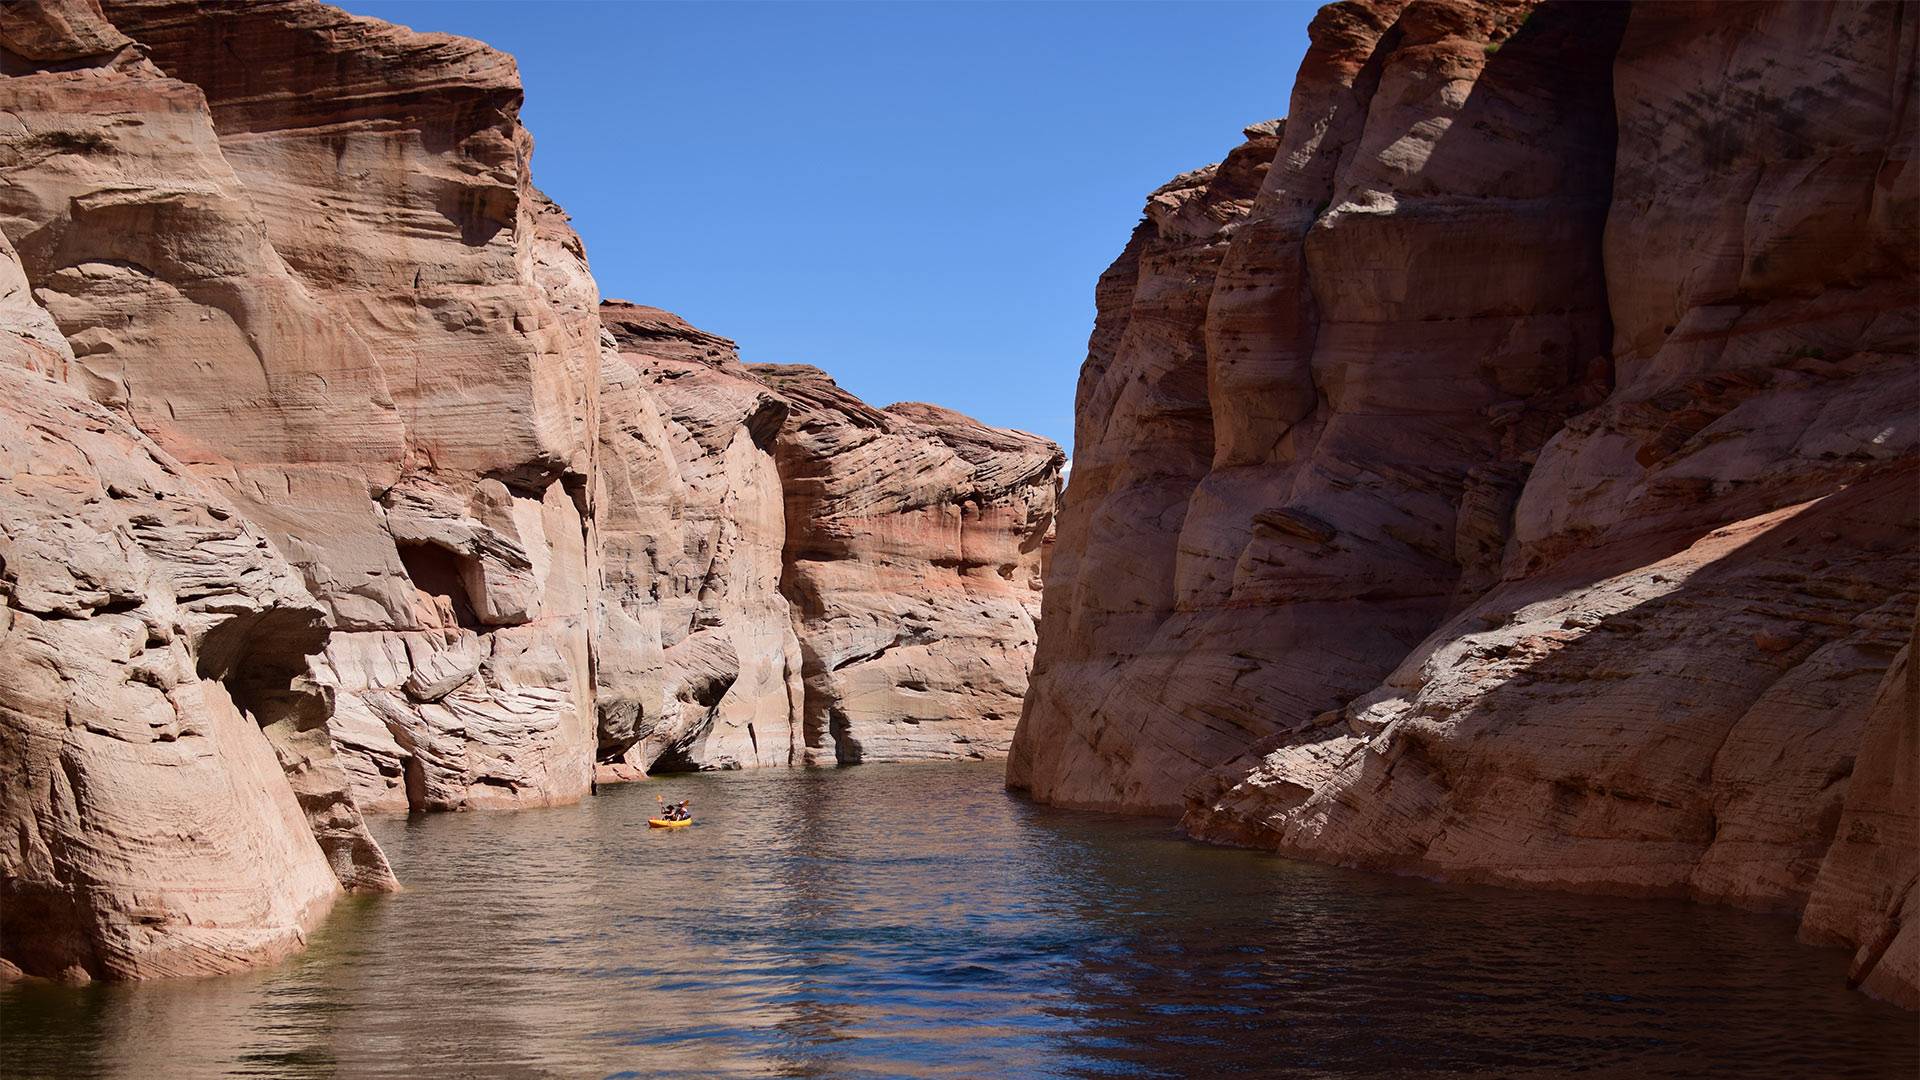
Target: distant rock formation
1505 467
912 560
321 452
699 666
884 610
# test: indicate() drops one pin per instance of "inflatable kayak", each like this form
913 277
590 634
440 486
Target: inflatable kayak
663 823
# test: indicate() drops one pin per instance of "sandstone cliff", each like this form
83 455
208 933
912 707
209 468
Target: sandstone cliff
1504 468
434 498
912 560
692 529
342 235
148 829
158 654
890 558
329 485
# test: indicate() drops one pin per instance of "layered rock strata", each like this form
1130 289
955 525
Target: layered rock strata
1286 409
698 663
147 827
1869 882
394 371
914 538
328 484
1505 468
883 610
349 564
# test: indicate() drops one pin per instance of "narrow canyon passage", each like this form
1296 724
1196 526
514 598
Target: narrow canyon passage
915 920
1463 624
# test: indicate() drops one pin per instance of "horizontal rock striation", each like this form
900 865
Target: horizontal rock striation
147 828
1505 468
793 577
914 539
1867 884
178 803
699 666
329 486
1290 398
397 393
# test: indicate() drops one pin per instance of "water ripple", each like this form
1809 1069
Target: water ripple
915 921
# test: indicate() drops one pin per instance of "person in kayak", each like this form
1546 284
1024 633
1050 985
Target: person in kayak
679 812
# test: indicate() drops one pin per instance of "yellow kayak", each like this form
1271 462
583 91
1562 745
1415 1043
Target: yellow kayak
663 823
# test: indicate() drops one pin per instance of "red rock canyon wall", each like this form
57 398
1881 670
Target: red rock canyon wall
913 546
440 518
1506 467
328 485
693 532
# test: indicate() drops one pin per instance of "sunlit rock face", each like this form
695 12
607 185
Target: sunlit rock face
1318 374
330 486
759 526
914 538
394 359
698 664
398 365
148 828
174 804
1505 468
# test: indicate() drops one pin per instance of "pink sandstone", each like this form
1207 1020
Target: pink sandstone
1505 468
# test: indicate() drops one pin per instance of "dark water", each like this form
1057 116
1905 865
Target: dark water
914 920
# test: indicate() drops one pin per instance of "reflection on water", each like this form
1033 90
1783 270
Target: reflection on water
915 920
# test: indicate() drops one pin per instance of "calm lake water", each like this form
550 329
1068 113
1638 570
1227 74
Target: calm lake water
915 920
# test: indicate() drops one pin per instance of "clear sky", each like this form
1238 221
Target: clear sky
916 197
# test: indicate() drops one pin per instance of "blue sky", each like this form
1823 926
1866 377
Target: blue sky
916 197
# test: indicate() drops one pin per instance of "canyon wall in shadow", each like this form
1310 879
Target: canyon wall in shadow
1505 468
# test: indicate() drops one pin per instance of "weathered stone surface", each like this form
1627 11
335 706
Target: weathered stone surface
1613 724
146 827
47 34
477 532
395 350
1285 412
913 551
1378 551
699 667
907 517
132 226
1866 893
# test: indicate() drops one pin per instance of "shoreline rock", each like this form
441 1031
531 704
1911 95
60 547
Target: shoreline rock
1504 469
456 535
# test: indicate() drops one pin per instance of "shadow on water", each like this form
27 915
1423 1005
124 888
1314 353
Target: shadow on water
916 921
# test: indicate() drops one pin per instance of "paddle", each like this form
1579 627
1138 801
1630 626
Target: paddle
667 812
